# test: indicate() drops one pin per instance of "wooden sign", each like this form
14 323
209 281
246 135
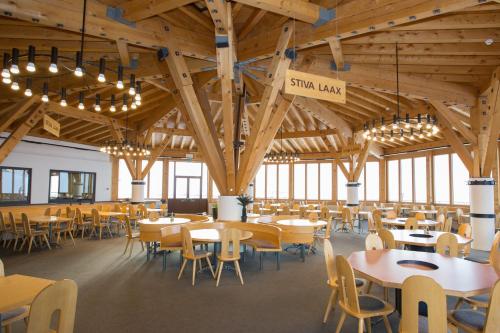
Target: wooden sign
51 125
314 86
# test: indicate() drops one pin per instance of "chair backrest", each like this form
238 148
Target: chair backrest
171 235
230 243
493 315
2 223
465 230
420 216
313 216
411 223
128 227
12 222
348 294
58 212
418 289
187 241
447 225
346 215
154 216
78 216
373 242
331 269
325 213
60 298
68 211
459 213
285 210
387 238
152 205
447 244
96 219
495 249
377 218
26 224
284 217
371 222
296 206
441 220
2 272
47 211
271 234
391 214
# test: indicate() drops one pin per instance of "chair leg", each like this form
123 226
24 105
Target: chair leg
126 246
100 233
210 267
368 325
360 325
341 322
387 324
182 269
237 266
109 232
194 272
278 261
71 236
30 244
164 260
220 264
131 247
332 301
22 244
46 241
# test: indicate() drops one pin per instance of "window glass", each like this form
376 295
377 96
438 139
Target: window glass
342 183
14 185
299 183
272 179
171 175
260 182
312 181
283 181
181 190
361 188
420 179
372 181
215 191
124 181
325 185
194 188
393 180
406 180
63 182
188 169
441 179
67 186
460 177
156 180
204 182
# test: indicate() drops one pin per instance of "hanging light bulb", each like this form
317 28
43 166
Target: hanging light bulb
6 80
119 83
435 129
421 135
97 106
138 92
45 92
14 86
133 106
131 90
81 97
138 102
112 107
27 91
14 62
412 137
419 121
395 123
53 60
382 128
124 106
102 69
407 121
63 98
79 64
30 66
5 70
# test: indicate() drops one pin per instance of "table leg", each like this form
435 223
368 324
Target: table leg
148 251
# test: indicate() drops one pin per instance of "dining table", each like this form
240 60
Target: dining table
425 211
49 221
423 238
150 231
106 214
400 222
302 223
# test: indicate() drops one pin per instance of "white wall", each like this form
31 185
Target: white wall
42 156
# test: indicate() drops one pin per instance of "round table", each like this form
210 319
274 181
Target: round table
302 223
458 277
420 238
400 222
214 235
425 211
164 221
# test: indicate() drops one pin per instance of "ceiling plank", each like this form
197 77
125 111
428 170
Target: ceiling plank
301 10
136 10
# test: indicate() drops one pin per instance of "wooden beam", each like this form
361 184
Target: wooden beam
361 161
490 146
297 9
135 10
306 134
21 130
118 135
336 48
157 151
453 121
343 169
251 22
14 111
123 51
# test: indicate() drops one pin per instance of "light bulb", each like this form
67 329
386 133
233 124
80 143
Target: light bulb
15 86
421 136
435 129
429 133
419 125
138 97
138 102
63 103
30 67
375 139
428 126
6 80
412 137
119 84
112 108
374 130
53 68
81 106
394 126
28 92
124 107
5 73
382 128
97 107
383 139
133 106
131 91
101 78
14 69
403 138
78 72
45 98
391 139
407 125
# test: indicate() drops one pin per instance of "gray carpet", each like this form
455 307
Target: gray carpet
121 294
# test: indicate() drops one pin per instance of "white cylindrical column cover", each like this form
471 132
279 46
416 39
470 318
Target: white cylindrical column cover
228 209
138 191
482 212
352 194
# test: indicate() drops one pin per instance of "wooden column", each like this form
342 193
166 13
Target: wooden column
335 193
115 164
164 188
382 181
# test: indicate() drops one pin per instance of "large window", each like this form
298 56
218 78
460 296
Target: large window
153 188
460 175
420 176
124 181
187 180
342 183
372 181
312 181
406 180
66 186
393 180
260 183
283 181
15 185
361 188
299 181
441 179
325 185
272 181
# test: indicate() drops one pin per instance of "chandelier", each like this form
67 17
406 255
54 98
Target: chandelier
125 149
281 157
411 127
34 79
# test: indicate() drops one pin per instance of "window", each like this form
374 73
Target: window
312 181
325 185
441 179
155 181
342 183
361 188
460 175
215 191
171 177
299 182
271 181
283 181
124 181
420 173
187 180
67 186
15 185
260 182
393 180
406 180
372 181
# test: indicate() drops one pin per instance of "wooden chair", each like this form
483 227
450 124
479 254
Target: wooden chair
131 236
476 321
5 231
164 209
80 223
325 213
373 242
447 225
424 289
377 218
441 220
97 224
47 211
285 209
331 271
420 216
391 215
59 298
302 236
58 212
372 228
346 220
230 251
359 306
9 317
447 244
152 205
29 234
171 240
411 223
16 231
189 253
265 239
66 229
387 238
465 230
154 216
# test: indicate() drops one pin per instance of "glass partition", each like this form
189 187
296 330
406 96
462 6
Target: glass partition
67 186
15 186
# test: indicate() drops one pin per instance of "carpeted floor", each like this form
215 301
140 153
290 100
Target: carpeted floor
121 294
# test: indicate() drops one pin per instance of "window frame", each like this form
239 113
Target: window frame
71 200
16 202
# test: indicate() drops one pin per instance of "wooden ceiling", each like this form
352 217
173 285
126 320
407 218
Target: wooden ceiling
444 57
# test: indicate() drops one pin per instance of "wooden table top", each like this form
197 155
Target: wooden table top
458 277
425 211
214 235
385 208
402 236
18 290
105 214
156 210
42 219
400 221
301 223
165 221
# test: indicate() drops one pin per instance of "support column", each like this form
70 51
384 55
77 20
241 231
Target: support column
138 191
228 208
482 212
352 194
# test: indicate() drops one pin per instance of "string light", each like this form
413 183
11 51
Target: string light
131 90
97 106
79 65
30 66
102 68
5 70
81 97
27 91
124 106
14 63
53 60
63 102
45 92
112 107
14 86
119 82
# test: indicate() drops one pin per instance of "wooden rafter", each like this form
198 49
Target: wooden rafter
15 111
298 9
136 10
489 141
118 135
157 151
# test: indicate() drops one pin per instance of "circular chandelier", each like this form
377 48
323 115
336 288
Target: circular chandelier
281 157
125 149
411 127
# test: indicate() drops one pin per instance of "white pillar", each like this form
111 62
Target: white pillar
482 212
138 191
352 194
228 209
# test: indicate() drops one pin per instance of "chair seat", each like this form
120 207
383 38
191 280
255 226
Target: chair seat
39 232
136 235
21 313
359 283
469 318
370 303
230 257
483 298
261 244
198 254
